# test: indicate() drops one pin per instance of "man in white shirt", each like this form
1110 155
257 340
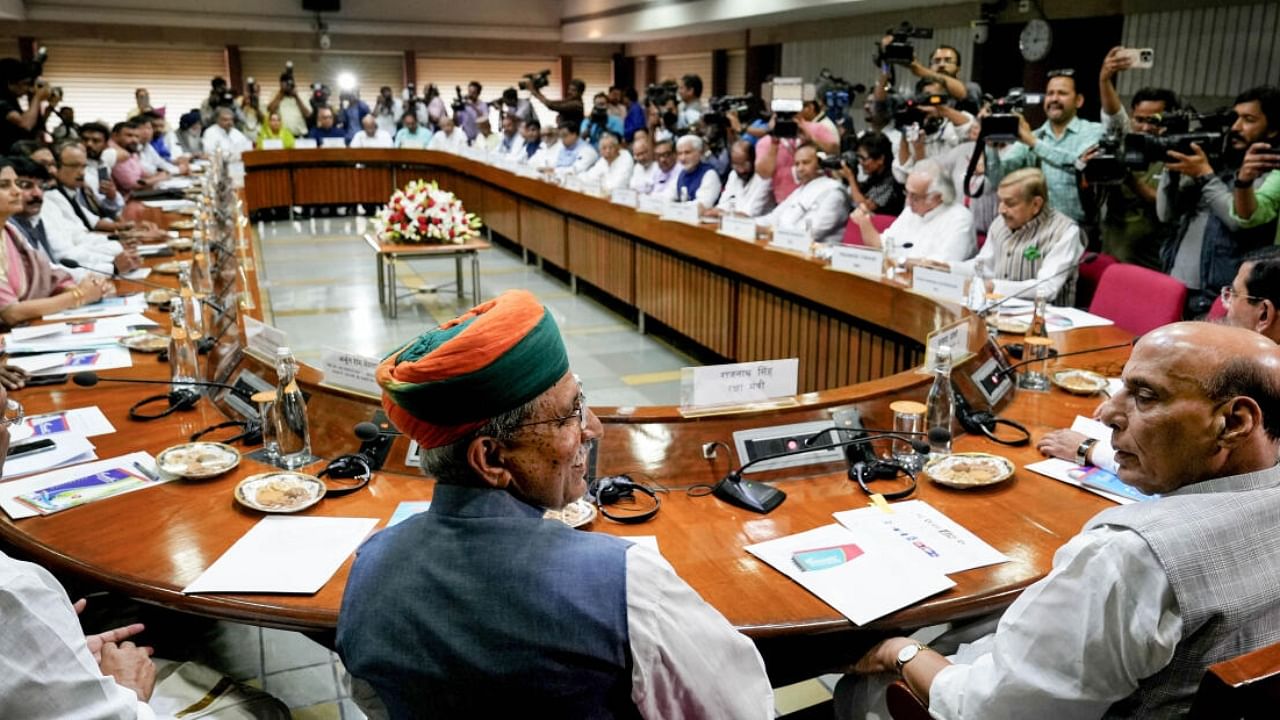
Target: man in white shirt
387 110
934 226
370 135
67 198
509 142
486 139
530 151
819 205
943 128
697 181
662 179
151 159
449 138
101 195
613 169
223 136
1148 595
746 194
642 172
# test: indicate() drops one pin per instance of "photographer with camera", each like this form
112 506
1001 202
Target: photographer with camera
1055 147
468 109
1131 231
879 191
570 108
944 69
600 121
21 80
519 108
775 156
250 108
220 96
745 194
934 226
1253 208
387 110
294 113
690 110
1209 242
929 126
818 203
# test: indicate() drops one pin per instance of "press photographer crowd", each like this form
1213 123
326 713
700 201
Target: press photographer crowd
942 176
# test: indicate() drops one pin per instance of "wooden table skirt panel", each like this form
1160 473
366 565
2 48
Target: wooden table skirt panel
501 212
691 299
603 258
268 188
319 185
833 350
542 230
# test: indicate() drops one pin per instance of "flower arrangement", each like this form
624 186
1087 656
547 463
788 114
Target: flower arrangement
423 213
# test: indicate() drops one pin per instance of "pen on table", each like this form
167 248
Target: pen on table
147 473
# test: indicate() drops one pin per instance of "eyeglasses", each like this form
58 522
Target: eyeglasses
1061 72
1228 294
579 412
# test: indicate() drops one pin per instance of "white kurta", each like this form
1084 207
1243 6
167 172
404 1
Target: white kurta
706 195
752 198
233 142
610 176
820 206
944 233
452 142
380 139
68 237
642 178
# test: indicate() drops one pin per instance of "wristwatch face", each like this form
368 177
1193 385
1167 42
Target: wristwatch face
907 654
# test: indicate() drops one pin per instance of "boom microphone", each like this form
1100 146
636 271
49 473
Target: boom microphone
89 378
74 265
1002 372
1084 260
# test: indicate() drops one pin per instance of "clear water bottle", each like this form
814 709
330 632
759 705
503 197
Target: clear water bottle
940 406
290 413
890 262
978 287
1039 327
192 308
184 367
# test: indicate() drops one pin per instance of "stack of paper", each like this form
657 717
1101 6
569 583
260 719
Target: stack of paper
118 305
59 363
877 561
170 205
1056 318
65 336
70 486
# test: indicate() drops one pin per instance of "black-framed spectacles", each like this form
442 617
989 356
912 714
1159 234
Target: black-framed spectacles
1228 293
579 412
1061 72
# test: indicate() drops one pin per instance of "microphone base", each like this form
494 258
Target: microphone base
261 455
755 497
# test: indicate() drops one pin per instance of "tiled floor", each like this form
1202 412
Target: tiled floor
319 286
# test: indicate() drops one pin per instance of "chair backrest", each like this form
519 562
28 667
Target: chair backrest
1137 299
1244 687
1218 310
853 234
1090 274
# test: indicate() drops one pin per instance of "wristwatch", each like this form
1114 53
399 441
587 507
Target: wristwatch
909 653
1082 452
1243 184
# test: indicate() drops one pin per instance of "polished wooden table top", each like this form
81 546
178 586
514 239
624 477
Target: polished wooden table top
151 544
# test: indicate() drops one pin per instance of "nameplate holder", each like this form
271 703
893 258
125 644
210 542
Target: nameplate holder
865 261
955 336
684 212
625 196
263 338
272 144
304 144
738 227
333 142
651 205
938 283
793 240
350 371
714 388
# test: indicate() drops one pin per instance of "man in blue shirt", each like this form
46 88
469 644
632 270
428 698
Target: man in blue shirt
352 112
1054 147
325 126
600 120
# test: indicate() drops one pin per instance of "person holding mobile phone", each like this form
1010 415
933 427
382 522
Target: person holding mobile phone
1253 204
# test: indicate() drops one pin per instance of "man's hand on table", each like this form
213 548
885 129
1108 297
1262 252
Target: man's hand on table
1060 444
13 377
127 261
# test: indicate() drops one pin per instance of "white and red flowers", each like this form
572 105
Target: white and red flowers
423 213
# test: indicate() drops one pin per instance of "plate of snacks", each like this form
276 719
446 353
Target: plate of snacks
182 225
1079 382
146 341
1013 324
180 244
575 514
173 267
280 491
198 460
160 297
969 470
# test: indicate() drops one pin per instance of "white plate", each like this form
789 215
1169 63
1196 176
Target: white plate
198 460
280 491
969 470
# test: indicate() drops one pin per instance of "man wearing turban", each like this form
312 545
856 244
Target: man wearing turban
480 607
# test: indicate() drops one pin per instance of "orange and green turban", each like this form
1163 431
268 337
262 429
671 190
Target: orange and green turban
449 381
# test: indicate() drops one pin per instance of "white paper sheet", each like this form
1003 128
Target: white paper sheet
139 273
103 358
86 421
1057 318
170 205
285 555
69 448
11 489
923 534
102 332
870 586
119 305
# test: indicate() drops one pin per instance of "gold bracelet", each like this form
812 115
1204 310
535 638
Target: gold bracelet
78 294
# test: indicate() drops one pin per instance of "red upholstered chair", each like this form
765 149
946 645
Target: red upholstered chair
1217 311
853 234
1090 274
1137 299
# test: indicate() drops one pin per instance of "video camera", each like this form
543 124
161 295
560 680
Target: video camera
908 113
661 93
537 80
1137 151
837 94
459 103
290 85
786 98
1003 122
747 107
319 95
899 51
834 162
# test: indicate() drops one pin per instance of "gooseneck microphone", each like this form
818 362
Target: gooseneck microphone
762 498
1084 260
1002 372
75 265
180 398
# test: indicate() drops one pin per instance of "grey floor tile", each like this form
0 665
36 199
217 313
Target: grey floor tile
303 687
283 650
233 649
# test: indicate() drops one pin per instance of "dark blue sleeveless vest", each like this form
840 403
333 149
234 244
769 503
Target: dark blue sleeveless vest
689 182
480 608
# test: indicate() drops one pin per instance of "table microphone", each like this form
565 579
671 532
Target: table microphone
1084 260
1002 372
89 378
74 265
762 498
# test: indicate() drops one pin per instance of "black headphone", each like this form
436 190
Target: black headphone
985 423
351 471
612 489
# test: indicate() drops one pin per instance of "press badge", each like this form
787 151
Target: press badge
825 558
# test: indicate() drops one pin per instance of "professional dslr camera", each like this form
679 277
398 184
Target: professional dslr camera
661 93
746 107
537 80
837 94
908 113
459 103
786 98
900 51
319 95
1002 124
1210 134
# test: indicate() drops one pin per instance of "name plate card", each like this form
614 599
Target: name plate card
858 260
945 285
625 196
651 205
738 227
685 212
738 383
794 240
264 338
272 144
333 142
350 371
304 144
954 336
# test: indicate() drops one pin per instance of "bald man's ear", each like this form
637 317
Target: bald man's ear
1238 420
484 455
